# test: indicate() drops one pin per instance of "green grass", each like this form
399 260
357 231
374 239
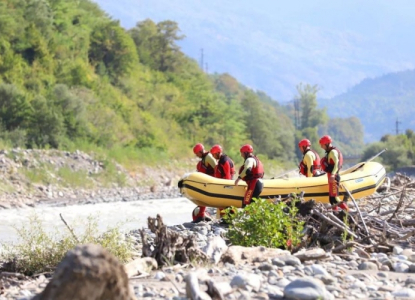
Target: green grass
110 175
40 251
126 156
74 179
38 175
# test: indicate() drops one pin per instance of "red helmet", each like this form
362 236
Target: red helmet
246 148
325 139
304 143
197 148
216 149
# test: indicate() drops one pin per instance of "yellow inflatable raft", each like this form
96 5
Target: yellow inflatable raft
361 180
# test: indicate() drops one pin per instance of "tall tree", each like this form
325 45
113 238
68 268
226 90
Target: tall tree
156 44
112 51
15 110
308 117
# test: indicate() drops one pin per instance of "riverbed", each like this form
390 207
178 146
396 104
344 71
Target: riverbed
126 215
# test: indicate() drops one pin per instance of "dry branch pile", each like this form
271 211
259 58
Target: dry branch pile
385 219
170 246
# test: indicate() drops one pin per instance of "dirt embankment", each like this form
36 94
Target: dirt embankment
29 177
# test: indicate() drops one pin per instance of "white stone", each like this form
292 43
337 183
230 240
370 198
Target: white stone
307 288
319 269
404 293
400 267
244 281
397 250
159 275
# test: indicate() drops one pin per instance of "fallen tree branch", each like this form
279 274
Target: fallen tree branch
358 210
399 204
335 224
69 228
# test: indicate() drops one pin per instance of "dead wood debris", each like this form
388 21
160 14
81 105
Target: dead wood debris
386 219
170 247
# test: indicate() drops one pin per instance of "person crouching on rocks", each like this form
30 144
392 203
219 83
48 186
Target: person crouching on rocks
252 173
206 165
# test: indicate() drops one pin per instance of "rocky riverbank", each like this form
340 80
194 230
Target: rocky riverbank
32 177
236 272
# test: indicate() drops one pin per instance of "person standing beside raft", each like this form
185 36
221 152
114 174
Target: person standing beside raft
225 169
252 172
206 165
331 164
310 164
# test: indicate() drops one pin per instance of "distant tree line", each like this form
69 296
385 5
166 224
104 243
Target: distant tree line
400 150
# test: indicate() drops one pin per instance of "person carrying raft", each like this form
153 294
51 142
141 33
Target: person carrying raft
252 172
310 164
331 164
206 165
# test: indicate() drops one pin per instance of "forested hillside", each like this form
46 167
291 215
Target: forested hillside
378 103
71 77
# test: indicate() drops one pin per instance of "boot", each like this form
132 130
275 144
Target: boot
199 214
343 205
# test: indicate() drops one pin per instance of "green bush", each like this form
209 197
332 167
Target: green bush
40 251
264 223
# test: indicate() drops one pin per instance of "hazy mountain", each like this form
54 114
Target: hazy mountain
379 103
274 45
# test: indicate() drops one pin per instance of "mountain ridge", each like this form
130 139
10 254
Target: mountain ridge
379 103
275 46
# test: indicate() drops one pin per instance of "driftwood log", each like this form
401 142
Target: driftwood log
170 247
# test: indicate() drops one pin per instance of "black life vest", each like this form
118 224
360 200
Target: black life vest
222 160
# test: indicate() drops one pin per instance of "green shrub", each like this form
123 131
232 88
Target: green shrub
263 223
40 251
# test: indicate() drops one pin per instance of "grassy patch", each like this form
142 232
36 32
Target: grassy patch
40 251
74 179
6 188
111 175
38 175
130 156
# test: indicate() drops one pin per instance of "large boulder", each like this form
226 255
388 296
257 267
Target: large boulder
88 272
